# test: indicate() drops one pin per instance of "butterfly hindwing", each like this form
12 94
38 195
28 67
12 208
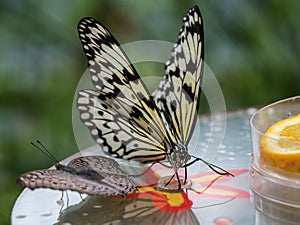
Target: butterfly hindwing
121 115
177 96
119 135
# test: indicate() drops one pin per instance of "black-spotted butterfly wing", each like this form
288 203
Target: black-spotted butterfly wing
178 94
122 130
124 211
121 115
92 175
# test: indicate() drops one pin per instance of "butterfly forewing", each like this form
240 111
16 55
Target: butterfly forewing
177 96
121 115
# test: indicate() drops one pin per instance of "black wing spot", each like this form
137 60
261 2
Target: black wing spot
173 105
104 105
116 139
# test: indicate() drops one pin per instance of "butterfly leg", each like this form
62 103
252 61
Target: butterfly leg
62 196
213 167
81 197
172 177
178 179
185 175
61 201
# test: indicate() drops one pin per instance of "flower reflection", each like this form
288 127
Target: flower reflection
165 201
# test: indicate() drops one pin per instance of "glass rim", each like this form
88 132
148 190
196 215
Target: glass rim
266 107
284 179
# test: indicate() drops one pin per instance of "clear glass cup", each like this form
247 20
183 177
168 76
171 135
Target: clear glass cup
276 190
261 121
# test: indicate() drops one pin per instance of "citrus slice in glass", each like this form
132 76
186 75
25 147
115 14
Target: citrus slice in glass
280 145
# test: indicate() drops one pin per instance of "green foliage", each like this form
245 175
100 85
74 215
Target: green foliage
251 46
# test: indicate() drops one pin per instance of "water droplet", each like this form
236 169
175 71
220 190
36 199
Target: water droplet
60 202
222 146
251 111
21 216
223 221
47 214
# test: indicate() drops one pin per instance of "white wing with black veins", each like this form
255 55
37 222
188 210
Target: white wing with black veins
121 115
178 94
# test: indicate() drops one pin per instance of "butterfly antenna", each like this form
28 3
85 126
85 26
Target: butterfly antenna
44 150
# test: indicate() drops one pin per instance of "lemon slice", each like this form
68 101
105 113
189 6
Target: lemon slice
280 145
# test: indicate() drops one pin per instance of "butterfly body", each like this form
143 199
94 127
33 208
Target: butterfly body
68 169
178 157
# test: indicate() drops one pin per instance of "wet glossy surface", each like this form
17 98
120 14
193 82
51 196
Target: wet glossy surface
212 199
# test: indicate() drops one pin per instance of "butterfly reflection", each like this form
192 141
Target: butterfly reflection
144 208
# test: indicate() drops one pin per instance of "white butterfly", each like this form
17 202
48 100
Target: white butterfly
121 114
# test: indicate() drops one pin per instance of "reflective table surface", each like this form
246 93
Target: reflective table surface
212 200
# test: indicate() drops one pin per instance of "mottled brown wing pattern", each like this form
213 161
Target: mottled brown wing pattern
99 164
95 175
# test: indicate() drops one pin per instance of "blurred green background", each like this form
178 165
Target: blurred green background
252 47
